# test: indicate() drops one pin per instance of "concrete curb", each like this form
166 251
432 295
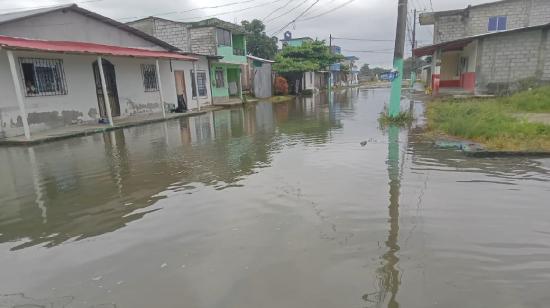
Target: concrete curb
95 130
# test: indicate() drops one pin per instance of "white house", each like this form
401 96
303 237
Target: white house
50 72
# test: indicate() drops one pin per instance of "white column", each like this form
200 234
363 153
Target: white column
104 90
19 95
160 89
196 85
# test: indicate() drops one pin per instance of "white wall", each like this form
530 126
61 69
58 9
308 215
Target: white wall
80 103
309 80
186 66
72 26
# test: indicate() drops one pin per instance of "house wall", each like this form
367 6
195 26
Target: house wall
202 65
474 21
449 65
223 91
509 58
172 32
80 104
203 40
72 26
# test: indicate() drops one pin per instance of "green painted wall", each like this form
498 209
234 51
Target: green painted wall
226 52
219 92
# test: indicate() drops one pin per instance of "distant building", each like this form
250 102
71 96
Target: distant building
338 77
222 42
65 65
288 40
489 48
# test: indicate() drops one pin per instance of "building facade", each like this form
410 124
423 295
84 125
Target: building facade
222 43
57 64
489 48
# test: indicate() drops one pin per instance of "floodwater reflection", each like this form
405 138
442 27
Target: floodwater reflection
300 204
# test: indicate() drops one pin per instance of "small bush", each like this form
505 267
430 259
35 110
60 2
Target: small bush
402 119
281 86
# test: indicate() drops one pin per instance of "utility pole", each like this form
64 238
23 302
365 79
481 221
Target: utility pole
401 31
330 42
413 43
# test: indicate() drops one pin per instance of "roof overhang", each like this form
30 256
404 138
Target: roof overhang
14 43
251 57
447 46
461 43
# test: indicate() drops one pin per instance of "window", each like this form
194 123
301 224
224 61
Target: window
220 82
224 37
497 23
43 77
149 73
201 80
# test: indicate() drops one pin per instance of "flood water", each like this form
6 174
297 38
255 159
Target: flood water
272 205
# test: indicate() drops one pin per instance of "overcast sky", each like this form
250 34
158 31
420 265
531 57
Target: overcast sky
361 19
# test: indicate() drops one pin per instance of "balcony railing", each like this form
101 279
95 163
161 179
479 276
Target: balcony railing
238 51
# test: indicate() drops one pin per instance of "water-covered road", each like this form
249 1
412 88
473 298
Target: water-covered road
272 205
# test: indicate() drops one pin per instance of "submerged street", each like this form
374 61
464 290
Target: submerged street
272 205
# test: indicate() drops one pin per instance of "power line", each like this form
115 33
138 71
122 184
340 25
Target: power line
205 8
278 9
360 39
287 12
328 11
297 17
230 12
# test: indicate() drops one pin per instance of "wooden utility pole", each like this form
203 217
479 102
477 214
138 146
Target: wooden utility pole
400 34
413 44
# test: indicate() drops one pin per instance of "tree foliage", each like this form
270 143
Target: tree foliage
257 42
281 86
312 56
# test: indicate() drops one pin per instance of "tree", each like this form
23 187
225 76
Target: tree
309 57
257 42
408 66
365 70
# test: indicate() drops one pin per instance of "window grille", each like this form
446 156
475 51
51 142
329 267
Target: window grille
220 82
43 77
149 73
201 80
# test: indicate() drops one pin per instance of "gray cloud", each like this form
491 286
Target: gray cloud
372 19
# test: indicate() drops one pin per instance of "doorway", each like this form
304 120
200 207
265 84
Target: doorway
112 92
179 76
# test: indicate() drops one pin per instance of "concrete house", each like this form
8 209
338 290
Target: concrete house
337 76
66 65
221 42
489 48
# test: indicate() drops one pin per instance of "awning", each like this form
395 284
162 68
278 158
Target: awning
446 46
15 43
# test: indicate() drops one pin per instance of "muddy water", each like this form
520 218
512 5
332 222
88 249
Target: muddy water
272 206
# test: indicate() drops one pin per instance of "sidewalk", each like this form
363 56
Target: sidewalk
94 128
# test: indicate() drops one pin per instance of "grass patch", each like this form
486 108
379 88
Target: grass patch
402 119
495 122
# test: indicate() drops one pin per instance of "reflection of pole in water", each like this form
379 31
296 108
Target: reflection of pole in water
36 183
388 274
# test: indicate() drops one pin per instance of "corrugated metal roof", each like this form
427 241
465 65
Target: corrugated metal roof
260 59
13 16
9 42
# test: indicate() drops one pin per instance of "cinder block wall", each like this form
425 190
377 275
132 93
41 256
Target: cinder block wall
203 40
506 60
520 13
